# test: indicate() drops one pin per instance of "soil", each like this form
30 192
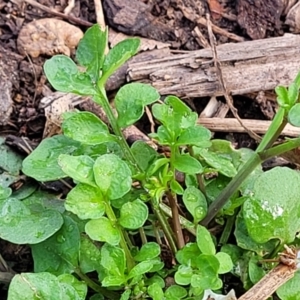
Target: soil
162 20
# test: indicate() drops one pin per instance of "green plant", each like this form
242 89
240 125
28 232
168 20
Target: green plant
108 234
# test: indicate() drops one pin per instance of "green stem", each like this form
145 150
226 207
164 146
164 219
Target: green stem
103 101
165 227
280 149
143 235
227 230
112 217
173 203
242 174
175 219
188 225
96 287
233 185
274 131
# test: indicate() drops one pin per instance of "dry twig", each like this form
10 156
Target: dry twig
226 93
276 277
59 14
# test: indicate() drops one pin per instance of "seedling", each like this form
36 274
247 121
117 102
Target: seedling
116 229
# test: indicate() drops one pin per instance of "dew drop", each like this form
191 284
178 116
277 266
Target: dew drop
39 234
60 238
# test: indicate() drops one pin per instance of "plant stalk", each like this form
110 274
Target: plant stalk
102 99
173 204
111 216
96 287
274 131
175 218
280 149
165 227
233 185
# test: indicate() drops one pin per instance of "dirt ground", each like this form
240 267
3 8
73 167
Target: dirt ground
173 22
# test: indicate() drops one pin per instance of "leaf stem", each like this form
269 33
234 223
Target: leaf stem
280 149
274 131
173 204
175 219
165 227
233 185
112 217
102 99
96 287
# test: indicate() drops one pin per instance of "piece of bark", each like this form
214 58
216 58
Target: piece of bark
9 78
118 78
258 16
232 125
247 67
293 18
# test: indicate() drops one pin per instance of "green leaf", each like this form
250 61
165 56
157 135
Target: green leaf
175 291
119 54
86 128
131 100
79 286
204 241
103 230
155 291
80 168
20 225
113 281
41 200
183 275
144 154
195 135
282 96
133 214
225 261
126 295
157 164
113 260
176 187
205 283
59 253
64 76
291 289
256 272
89 256
293 93
273 210
297 80
195 202
112 175
294 115
208 266
86 202
42 163
5 192
174 115
140 269
148 251
244 241
10 164
163 136
222 164
29 286
188 254
187 164
90 51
